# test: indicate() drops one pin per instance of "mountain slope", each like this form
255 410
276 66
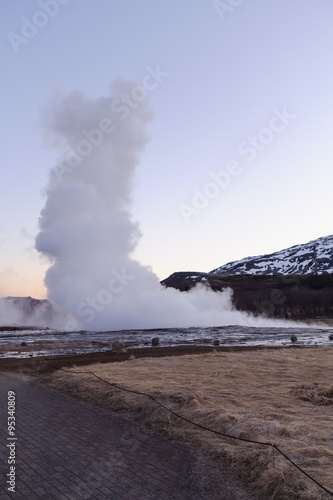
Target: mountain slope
315 257
27 311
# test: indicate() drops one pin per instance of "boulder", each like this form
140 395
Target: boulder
119 347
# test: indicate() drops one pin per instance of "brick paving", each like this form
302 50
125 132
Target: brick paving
68 450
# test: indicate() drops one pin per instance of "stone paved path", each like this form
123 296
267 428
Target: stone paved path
68 450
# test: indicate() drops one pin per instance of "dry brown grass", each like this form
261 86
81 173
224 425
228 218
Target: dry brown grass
283 397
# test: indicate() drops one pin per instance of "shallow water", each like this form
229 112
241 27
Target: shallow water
53 342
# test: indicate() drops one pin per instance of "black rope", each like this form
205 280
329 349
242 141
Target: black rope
263 443
166 408
312 479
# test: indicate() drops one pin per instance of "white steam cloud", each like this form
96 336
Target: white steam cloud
28 312
86 228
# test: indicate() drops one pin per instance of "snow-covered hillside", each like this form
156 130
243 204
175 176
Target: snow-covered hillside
315 257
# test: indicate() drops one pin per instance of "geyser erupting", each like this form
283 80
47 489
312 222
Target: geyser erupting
86 228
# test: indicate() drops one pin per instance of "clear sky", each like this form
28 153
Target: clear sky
240 159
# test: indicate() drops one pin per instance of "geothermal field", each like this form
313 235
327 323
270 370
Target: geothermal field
28 343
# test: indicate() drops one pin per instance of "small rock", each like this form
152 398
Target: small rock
24 343
119 347
216 342
155 341
330 336
293 338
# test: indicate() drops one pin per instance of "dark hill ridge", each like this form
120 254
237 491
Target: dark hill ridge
28 305
291 296
293 283
16 311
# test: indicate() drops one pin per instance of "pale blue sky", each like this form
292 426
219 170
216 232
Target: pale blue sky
227 75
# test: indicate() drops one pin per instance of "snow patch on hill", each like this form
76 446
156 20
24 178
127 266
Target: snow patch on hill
315 257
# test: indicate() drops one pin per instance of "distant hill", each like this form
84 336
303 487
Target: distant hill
295 283
18 311
293 296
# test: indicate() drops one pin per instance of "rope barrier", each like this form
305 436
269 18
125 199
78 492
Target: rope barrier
200 426
303 471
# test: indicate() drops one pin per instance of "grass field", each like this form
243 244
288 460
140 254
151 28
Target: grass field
283 397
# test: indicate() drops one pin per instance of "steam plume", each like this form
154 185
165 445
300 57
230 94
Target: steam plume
86 228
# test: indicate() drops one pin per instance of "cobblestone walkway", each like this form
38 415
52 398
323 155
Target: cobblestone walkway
68 450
